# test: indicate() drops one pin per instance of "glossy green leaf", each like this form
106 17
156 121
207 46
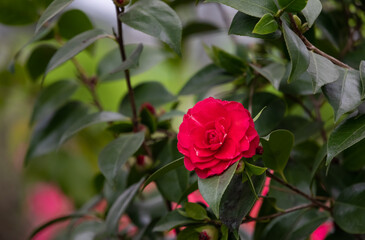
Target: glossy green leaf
348 133
298 52
354 157
48 132
229 62
349 209
277 150
195 211
273 72
362 78
130 62
88 120
148 92
119 206
117 152
205 79
292 5
255 8
163 170
266 25
67 27
344 94
301 86
171 220
193 187
312 11
322 71
74 46
255 170
157 19
38 60
213 188
52 10
51 98
243 25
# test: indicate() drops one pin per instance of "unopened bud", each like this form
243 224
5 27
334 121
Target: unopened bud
121 3
240 166
149 107
143 162
259 150
208 233
298 21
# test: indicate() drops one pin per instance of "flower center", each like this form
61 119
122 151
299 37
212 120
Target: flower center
212 137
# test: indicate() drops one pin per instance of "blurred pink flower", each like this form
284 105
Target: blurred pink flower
322 231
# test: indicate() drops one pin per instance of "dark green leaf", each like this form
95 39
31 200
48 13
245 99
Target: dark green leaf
13 12
188 233
148 119
38 60
67 27
52 10
193 187
292 5
165 169
195 211
312 11
116 153
354 157
74 46
273 72
266 25
149 92
85 230
213 188
171 115
277 150
318 160
322 71
255 170
348 133
255 8
362 78
171 220
229 62
196 28
205 79
344 94
157 19
243 25
298 52
349 209
88 120
52 98
301 86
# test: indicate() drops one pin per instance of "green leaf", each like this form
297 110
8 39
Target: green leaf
171 220
259 114
163 170
344 94
193 187
73 47
197 28
312 11
301 86
67 27
229 62
52 10
170 115
38 60
157 19
277 150
322 71
317 161
148 92
195 211
119 206
362 78
348 133
88 120
205 79
243 25
354 157
266 25
255 170
51 98
349 209
48 132
292 5
13 12
298 52
130 62
273 72
117 152
213 188
148 119
255 8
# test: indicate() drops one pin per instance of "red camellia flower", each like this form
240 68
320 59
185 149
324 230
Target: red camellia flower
214 135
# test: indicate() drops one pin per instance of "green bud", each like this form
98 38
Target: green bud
121 3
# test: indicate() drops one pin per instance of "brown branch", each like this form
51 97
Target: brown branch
311 47
289 210
296 190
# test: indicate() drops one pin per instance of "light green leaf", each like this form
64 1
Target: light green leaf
277 150
322 71
195 211
292 5
344 94
255 170
266 25
171 220
157 19
213 188
349 209
74 46
117 152
255 8
312 11
298 52
88 120
52 10
362 78
259 114
348 133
